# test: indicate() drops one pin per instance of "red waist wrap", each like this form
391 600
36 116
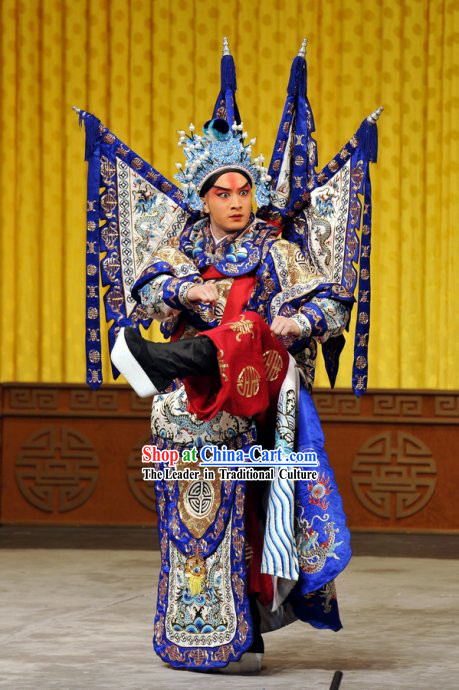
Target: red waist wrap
252 362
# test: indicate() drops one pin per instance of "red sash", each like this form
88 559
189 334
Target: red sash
238 296
252 364
239 293
252 361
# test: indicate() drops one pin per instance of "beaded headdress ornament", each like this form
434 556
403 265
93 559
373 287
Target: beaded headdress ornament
218 149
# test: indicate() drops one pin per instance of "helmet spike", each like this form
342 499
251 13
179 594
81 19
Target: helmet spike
302 52
372 119
226 50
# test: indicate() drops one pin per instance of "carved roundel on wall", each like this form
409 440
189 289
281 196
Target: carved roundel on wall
394 475
57 469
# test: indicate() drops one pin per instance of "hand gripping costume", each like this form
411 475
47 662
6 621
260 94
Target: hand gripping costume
281 542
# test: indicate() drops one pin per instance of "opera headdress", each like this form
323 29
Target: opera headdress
219 149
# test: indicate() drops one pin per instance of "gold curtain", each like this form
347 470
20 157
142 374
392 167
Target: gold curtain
147 68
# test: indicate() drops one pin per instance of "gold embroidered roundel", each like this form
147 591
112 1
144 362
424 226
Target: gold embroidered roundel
273 364
199 498
248 382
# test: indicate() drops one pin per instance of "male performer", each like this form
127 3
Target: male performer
220 287
245 301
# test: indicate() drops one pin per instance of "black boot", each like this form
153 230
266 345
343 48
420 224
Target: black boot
151 367
257 646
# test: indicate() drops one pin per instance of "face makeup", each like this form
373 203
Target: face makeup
229 203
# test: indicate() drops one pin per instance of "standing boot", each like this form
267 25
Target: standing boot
151 367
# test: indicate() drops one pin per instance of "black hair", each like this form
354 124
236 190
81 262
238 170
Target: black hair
213 178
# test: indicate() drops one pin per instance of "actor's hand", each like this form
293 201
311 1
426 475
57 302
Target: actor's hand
283 326
205 293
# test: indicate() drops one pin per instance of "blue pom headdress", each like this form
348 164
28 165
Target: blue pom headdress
220 148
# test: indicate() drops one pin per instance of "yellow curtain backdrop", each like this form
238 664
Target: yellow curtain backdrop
147 68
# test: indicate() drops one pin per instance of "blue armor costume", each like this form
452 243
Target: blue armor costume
301 248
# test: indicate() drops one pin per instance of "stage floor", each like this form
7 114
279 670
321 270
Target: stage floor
82 618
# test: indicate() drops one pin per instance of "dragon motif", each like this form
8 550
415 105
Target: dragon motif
328 593
321 231
313 554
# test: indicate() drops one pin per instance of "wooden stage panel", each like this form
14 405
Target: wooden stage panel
394 455
70 455
73 456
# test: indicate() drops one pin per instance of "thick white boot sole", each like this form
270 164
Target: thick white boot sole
250 662
126 363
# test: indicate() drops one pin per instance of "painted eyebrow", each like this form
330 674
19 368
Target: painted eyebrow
228 189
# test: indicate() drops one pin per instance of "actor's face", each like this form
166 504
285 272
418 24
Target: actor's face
229 203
